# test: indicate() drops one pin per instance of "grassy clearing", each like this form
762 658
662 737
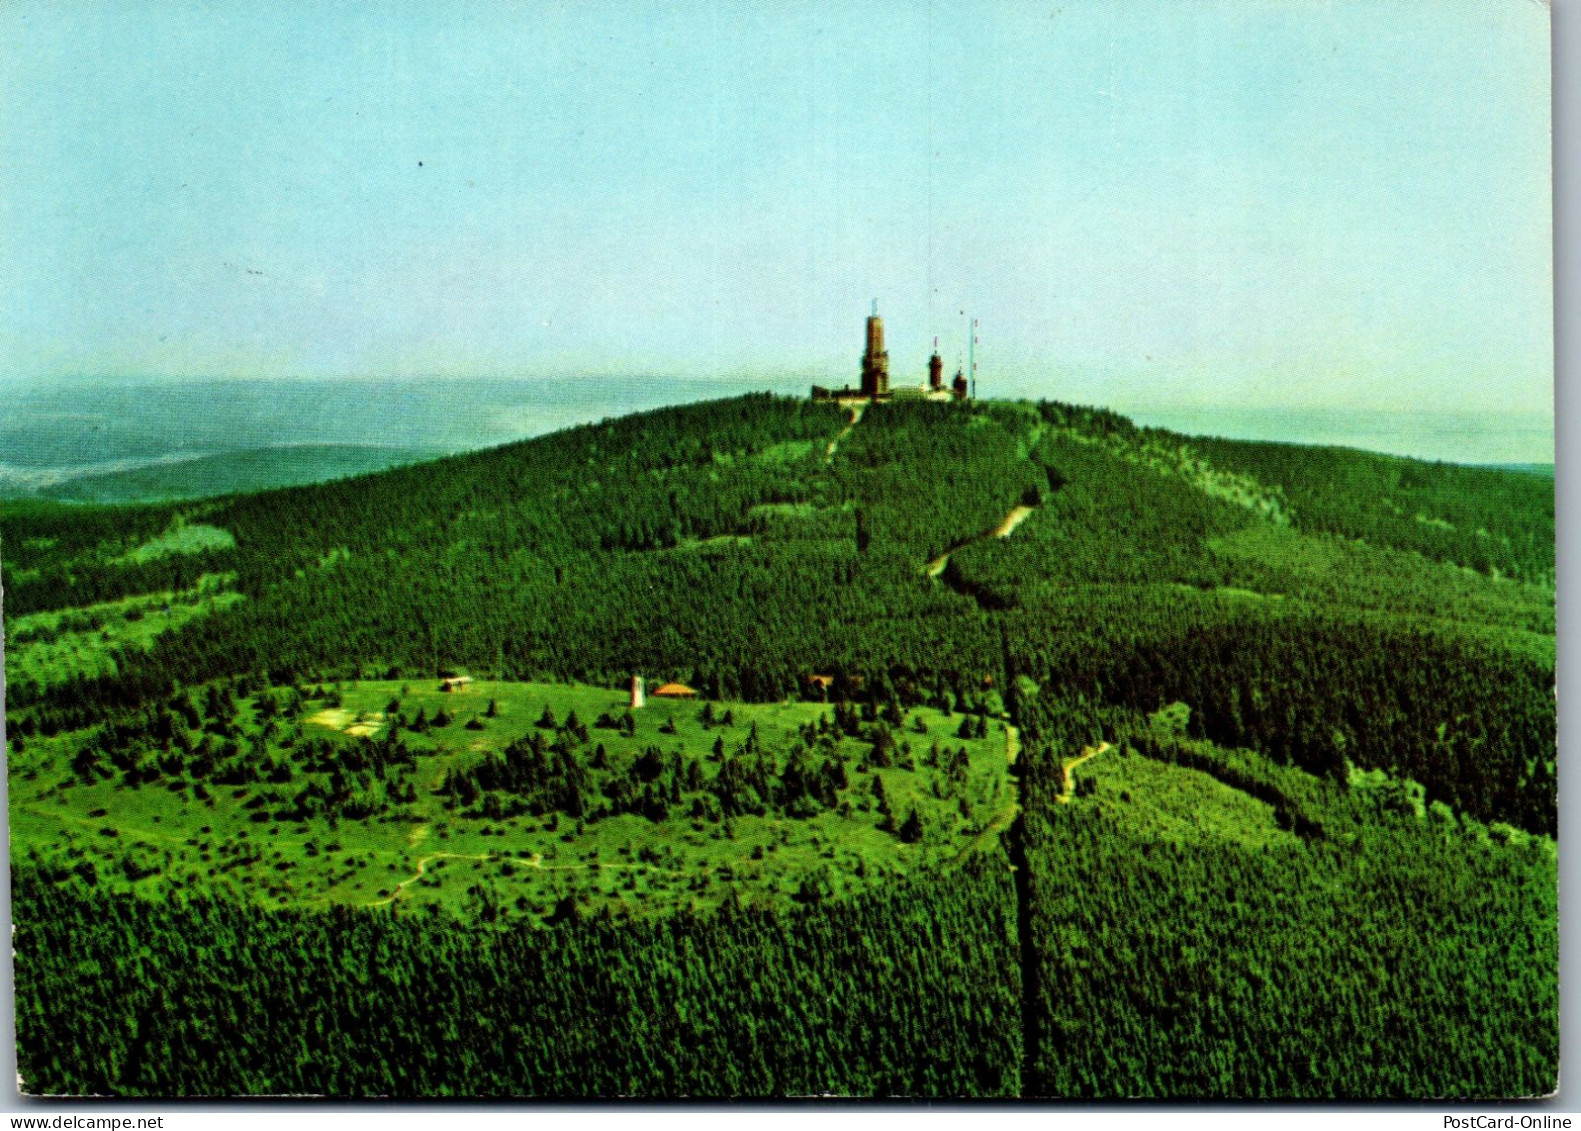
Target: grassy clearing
783 510
182 538
786 451
717 542
1343 571
481 857
51 648
1175 804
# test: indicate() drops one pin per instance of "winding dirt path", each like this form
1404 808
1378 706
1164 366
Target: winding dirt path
1006 816
533 861
1068 787
856 417
1015 518
1006 527
422 868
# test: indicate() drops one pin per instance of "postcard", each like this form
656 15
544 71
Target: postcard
734 552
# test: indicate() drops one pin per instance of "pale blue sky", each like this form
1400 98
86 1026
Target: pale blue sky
1303 202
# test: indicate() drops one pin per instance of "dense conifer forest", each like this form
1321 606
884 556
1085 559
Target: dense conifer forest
221 999
1273 811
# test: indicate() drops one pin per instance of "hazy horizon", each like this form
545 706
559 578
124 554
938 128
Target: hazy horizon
64 431
1237 202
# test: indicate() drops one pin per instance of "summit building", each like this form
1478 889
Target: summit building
875 386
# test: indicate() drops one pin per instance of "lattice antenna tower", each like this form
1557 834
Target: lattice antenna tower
971 354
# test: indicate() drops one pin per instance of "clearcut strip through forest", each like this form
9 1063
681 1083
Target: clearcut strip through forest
1315 855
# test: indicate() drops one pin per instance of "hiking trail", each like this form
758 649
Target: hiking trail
1068 787
834 444
1018 514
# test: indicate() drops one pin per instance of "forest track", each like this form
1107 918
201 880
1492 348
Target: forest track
533 861
1068 785
1007 525
1006 817
422 868
1015 518
144 836
856 417
997 827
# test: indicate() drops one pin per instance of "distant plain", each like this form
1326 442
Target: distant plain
110 440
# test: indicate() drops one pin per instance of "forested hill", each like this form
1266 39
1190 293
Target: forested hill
1321 605
1268 733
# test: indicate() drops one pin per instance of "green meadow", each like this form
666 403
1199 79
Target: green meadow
179 814
51 648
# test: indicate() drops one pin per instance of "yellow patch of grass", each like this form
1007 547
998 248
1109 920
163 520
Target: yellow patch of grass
335 718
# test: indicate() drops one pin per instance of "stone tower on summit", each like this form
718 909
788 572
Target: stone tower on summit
875 362
875 384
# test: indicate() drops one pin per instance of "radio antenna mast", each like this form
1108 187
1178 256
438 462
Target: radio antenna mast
971 353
